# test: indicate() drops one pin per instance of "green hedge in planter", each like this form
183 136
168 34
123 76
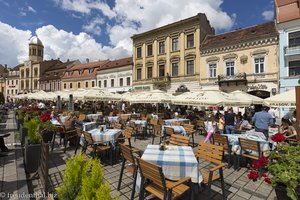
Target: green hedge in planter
84 179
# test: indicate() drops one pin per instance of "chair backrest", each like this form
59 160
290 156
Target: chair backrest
179 140
157 130
153 121
175 123
169 131
81 117
88 137
200 123
251 145
132 124
221 140
128 132
161 122
78 131
189 128
127 153
143 115
210 152
117 126
152 172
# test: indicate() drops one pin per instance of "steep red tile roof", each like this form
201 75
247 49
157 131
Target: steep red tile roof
56 72
265 30
117 63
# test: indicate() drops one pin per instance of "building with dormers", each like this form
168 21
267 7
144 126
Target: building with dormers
81 76
288 25
116 76
12 82
50 81
3 75
244 59
168 57
32 69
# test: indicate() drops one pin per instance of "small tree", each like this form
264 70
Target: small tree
2 99
84 180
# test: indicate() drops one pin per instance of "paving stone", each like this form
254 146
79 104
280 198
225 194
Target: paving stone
243 194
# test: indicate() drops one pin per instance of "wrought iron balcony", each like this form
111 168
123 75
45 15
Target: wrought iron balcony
161 81
289 51
236 78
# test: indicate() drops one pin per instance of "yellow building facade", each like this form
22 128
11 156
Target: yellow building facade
168 58
245 59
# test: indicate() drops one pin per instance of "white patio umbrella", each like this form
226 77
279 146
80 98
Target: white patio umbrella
285 99
154 96
246 98
98 94
64 95
205 98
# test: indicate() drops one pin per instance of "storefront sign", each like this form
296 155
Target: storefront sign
258 87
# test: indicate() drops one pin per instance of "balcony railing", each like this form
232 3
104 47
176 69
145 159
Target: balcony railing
239 77
289 51
162 81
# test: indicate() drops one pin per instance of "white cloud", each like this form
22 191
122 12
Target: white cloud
31 9
23 11
268 15
94 26
13 44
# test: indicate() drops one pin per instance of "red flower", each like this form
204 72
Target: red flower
45 117
268 180
264 175
278 137
60 129
260 163
253 175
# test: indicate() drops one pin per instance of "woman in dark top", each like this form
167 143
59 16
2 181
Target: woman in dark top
230 121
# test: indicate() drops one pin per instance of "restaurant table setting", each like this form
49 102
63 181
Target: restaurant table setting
115 119
177 129
140 122
181 120
177 162
87 126
93 116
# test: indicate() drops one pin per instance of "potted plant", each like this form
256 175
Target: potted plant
84 179
32 145
46 128
283 165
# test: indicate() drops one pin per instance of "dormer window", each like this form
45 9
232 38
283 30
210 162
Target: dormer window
91 70
69 73
80 72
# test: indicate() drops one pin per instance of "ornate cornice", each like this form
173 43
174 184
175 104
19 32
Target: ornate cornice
240 46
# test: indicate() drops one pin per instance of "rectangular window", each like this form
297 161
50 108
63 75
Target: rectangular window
259 65
121 82
105 83
7 91
149 72
294 39
86 84
149 50
161 47
139 74
139 52
230 68
161 69
93 83
212 70
80 72
190 67
175 69
190 41
16 91
128 81
71 85
35 72
99 83
65 86
12 82
175 46
78 85
294 68
22 73
112 83
17 82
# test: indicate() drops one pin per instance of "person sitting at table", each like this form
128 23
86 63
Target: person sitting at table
70 120
210 129
287 130
244 124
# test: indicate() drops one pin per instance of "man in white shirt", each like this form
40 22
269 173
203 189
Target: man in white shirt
272 113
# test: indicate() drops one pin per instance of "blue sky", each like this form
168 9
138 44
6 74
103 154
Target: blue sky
101 29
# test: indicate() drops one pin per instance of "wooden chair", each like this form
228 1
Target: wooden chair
127 155
179 140
79 133
200 127
161 122
189 129
168 131
117 126
157 131
222 140
154 182
213 154
175 123
151 125
95 147
127 135
140 131
250 149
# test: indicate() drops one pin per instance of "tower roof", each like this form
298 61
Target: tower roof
36 40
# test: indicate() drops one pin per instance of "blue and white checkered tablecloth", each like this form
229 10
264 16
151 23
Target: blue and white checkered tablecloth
233 140
177 129
177 162
169 121
87 126
114 119
109 135
140 122
93 116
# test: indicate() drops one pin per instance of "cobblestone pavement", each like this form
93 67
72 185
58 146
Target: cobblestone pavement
237 184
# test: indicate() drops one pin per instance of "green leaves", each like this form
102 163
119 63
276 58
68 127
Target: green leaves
84 180
32 126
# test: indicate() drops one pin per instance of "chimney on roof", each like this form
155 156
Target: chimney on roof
5 65
68 60
58 58
87 60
